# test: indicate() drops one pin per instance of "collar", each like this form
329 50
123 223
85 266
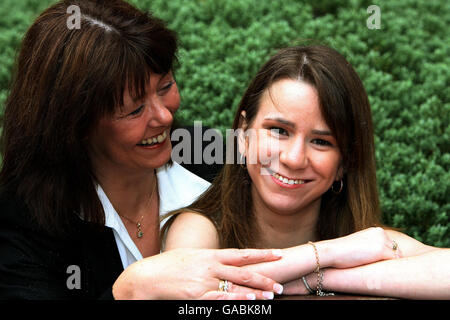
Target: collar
177 188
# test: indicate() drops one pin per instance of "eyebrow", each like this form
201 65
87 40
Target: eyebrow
292 125
163 75
282 121
322 132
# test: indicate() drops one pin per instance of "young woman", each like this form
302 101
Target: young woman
309 178
86 173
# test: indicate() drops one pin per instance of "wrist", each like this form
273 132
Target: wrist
123 288
129 285
325 252
319 272
119 291
327 283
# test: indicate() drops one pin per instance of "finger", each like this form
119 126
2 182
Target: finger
399 253
231 287
258 294
242 257
218 295
394 251
249 279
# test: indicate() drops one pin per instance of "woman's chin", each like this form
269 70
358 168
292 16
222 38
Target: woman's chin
285 210
161 158
282 205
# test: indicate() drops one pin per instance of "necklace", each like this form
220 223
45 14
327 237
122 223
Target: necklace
140 233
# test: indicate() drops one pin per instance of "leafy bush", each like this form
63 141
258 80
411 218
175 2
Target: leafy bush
404 67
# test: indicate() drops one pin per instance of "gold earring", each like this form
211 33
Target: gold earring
242 161
340 189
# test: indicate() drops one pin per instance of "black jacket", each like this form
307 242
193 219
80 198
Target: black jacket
35 264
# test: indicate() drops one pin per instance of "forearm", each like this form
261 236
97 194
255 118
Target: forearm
360 248
425 276
295 262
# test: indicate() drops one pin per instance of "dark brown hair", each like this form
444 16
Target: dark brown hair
66 80
345 107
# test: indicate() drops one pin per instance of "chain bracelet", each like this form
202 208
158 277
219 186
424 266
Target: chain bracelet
319 291
319 272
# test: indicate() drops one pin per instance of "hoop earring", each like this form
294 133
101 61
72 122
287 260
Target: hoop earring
340 189
243 162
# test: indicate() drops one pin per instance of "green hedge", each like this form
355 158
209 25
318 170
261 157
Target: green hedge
404 66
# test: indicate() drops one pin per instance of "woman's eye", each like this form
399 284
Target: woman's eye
166 87
137 111
278 131
321 142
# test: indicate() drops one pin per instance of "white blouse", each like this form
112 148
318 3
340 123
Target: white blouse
177 188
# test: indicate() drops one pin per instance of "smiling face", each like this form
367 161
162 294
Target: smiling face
137 136
308 156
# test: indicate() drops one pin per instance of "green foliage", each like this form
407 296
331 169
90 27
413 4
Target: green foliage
404 67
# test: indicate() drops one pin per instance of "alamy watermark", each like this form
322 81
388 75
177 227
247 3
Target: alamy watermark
374 20
190 148
74 279
74 20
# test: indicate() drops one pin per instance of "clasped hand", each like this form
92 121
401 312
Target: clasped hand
196 273
360 248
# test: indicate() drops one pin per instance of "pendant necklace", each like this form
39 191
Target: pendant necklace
140 233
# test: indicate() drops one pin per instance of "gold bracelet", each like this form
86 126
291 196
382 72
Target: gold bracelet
319 291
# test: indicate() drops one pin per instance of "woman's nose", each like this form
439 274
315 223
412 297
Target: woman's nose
295 154
160 114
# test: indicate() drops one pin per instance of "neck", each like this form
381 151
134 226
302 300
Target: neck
130 194
284 230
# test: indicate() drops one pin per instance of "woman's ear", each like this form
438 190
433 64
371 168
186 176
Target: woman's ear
340 172
242 143
243 120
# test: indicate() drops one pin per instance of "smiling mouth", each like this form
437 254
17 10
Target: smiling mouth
154 140
287 180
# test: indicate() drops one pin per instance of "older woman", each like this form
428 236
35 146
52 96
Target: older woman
86 171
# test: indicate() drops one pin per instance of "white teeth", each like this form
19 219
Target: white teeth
154 140
288 181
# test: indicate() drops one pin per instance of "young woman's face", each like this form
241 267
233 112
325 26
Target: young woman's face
304 156
138 136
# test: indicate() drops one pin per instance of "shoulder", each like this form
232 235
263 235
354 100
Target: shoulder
176 172
13 213
178 187
408 246
192 230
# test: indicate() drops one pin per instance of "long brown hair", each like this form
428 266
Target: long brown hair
345 107
66 80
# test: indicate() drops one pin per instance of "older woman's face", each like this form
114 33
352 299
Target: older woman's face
304 155
138 136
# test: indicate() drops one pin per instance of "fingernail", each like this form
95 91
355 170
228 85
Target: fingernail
277 252
278 288
268 295
251 296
